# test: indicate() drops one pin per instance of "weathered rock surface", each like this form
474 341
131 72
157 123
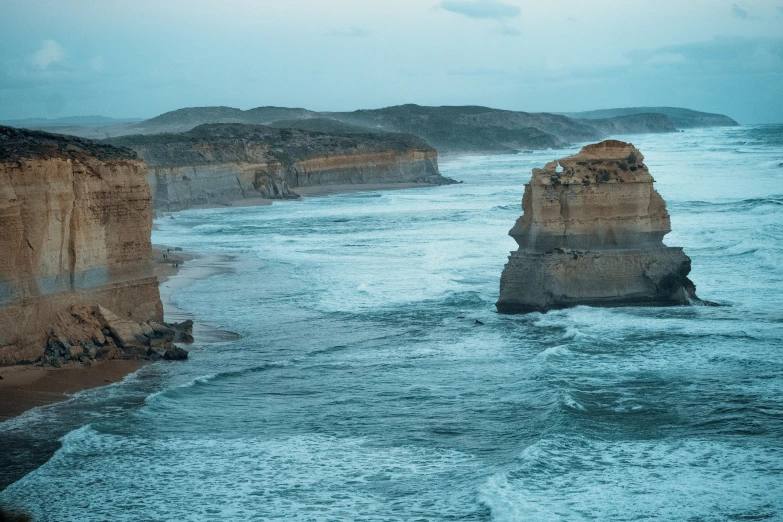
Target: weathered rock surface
75 221
592 233
84 334
220 163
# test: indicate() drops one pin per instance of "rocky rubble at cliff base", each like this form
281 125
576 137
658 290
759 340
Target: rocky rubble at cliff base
99 334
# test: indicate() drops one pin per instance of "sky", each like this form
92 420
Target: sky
140 58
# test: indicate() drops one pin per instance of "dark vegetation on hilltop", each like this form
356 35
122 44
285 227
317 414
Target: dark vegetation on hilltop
450 129
633 124
326 125
679 117
17 144
231 142
473 128
199 115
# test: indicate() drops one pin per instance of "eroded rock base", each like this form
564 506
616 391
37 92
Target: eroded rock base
89 334
536 282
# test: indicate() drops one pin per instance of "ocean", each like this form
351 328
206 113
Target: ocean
375 381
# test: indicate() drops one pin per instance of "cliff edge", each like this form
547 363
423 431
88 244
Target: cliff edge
592 233
220 163
75 275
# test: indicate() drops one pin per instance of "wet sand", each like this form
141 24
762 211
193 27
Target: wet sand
196 268
26 387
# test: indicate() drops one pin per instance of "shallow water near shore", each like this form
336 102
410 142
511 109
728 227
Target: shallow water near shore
363 387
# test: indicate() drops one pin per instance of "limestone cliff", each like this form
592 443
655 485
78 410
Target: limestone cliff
75 221
220 163
592 233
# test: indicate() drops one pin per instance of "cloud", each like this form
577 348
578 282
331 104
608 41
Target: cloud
739 12
49 53
481 9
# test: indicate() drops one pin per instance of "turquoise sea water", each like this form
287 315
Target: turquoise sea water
364 389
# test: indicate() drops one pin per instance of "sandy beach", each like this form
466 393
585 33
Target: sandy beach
28 386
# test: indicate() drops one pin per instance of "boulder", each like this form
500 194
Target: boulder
162 330
124 332
175 353
75 351
147 330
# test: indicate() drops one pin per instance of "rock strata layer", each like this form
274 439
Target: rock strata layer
221 163
592 233
75 222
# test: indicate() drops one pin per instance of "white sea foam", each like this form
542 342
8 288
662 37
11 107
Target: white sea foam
364 388
569 479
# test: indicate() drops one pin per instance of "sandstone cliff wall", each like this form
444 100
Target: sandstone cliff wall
75 221
592 233
373 167
178 188
217 164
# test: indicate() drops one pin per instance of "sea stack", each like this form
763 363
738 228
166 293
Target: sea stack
591 233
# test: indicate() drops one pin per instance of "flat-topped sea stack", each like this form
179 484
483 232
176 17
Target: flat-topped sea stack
592 233
225 162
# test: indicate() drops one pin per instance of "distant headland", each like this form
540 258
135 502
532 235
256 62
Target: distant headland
451 130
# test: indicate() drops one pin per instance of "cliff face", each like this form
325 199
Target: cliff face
75 221
225 162
592 233
632 124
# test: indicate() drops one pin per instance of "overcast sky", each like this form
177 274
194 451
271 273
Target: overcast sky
139 58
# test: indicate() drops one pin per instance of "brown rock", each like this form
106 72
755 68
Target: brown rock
98 337
123 331
75 351
75 221
147 330
175 353
222 163
592 233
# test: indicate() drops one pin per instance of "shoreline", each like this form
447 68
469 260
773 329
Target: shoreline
330 190
24 387
195 267
306 192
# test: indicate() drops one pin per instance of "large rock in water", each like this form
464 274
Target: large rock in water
592 234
